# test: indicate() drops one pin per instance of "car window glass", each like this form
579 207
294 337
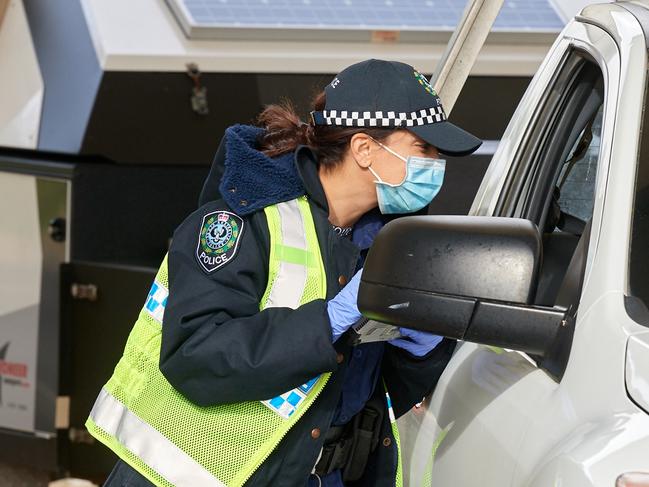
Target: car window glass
576 182
553 185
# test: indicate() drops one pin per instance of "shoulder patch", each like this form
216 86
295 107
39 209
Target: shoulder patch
218 239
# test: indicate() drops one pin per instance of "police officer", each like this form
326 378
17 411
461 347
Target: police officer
239 370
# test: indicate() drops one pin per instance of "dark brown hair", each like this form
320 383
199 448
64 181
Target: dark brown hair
285 131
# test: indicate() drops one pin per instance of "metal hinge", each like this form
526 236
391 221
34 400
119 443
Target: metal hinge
199 93
88 292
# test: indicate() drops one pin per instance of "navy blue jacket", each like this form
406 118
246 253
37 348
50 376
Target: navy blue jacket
217 347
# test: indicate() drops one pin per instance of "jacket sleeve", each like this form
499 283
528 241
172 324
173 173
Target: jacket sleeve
408 378
217 346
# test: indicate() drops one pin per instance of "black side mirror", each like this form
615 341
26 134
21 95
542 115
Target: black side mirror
469 278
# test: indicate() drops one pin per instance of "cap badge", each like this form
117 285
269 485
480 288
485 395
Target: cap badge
425 83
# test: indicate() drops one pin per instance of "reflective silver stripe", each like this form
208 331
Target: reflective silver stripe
290 281
292 223
288 286
148 444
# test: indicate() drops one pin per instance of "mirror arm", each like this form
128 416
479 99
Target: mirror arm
555 360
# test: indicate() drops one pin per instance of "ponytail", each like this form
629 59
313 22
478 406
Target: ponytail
284 132
284 129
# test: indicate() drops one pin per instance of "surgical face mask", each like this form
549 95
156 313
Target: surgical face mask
423 180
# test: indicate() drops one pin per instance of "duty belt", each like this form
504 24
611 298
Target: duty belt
348 447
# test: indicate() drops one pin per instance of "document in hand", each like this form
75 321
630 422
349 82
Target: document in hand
366 331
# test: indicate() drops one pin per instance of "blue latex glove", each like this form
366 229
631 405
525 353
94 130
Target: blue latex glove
342 309
418 343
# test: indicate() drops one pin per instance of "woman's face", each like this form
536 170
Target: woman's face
389 167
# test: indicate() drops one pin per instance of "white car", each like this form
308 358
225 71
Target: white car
549 385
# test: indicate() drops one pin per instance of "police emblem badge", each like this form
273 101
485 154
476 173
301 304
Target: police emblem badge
218 239
425 83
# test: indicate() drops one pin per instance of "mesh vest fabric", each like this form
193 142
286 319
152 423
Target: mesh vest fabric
398 481
227 442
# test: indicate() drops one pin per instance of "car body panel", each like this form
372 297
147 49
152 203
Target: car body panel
495 418
596 453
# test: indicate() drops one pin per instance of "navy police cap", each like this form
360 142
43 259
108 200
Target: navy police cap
390 94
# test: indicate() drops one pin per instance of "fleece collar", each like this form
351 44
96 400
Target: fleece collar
252 180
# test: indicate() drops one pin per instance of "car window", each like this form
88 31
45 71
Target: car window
552 184
576 182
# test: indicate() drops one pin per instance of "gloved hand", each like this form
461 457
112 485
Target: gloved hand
418 343
342 309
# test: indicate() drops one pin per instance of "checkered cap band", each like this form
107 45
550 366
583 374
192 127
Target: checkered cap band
344 118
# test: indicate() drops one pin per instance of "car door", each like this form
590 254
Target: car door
551 167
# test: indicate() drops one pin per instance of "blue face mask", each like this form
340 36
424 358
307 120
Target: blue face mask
423 180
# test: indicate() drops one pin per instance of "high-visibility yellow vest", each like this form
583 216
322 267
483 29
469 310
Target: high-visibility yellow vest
172 441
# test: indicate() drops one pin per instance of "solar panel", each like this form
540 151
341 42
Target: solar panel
199 17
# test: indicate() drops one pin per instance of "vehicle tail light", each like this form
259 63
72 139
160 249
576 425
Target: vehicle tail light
633 479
